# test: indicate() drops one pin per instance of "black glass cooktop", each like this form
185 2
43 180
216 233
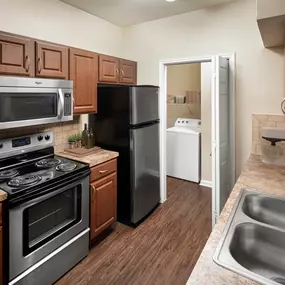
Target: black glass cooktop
35 171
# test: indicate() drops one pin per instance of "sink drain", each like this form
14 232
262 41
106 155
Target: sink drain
278 280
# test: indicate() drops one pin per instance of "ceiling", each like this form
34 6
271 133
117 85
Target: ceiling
131 12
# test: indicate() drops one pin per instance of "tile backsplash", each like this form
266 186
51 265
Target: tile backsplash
264 120
61 132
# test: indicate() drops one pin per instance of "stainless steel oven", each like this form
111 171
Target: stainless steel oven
43 226
31 101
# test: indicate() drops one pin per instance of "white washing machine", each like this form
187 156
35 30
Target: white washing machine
184 150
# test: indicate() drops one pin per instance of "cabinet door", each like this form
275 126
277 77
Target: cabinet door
84 73
51 61
17 56
103 204
108 69
128 71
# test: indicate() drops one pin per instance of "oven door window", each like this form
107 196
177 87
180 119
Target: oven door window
27 106
46 220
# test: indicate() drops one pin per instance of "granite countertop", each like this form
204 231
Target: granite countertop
256 175
92 159
3 195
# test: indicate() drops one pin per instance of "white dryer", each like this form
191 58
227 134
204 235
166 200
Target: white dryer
184 150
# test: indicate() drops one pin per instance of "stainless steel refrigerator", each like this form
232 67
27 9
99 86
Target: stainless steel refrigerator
128 122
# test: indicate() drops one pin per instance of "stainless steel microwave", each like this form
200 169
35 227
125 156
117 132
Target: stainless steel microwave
32 101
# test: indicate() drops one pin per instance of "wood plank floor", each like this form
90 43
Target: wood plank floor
162 250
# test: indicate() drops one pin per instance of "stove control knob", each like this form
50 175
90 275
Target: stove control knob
1 145
47 137
40 138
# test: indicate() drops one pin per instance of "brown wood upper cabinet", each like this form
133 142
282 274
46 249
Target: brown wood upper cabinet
51 60
108 69
17 56
84 73
128 71
115 70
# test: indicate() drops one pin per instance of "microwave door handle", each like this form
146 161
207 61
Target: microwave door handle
60 104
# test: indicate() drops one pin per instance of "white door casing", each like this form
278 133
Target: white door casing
163 113
221 158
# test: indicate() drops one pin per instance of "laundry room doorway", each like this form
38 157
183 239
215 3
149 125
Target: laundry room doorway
197 126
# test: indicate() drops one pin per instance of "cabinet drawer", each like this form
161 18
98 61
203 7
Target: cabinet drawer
103 169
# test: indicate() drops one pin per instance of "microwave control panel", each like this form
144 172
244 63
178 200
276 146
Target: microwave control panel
67 104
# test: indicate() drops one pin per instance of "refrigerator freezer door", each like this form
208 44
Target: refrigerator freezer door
145 174
144 104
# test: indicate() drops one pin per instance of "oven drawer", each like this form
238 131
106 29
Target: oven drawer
103 170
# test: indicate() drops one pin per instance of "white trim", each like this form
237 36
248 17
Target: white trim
163 111
45 259
206 183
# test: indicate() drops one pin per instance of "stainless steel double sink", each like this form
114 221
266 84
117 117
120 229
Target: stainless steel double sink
253 242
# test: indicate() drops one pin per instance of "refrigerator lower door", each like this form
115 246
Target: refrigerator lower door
144 104
145 174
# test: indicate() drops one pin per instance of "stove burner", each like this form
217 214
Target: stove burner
25 180
8 174
65 167
48 162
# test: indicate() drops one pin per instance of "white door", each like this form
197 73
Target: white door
221 164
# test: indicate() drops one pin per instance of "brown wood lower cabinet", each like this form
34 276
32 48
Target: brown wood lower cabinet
103 199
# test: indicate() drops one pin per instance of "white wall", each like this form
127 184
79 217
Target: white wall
221 29
54 21
206 134
270 8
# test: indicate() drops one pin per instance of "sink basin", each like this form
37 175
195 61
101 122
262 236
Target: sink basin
259 249
253 242
266 210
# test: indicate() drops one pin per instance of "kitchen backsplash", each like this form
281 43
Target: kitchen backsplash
264 120
61 131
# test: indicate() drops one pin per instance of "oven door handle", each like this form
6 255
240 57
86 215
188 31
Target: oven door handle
60 104
50 195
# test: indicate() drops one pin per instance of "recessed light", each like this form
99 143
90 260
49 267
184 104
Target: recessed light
170 0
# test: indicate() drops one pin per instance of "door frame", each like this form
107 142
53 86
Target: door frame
163 113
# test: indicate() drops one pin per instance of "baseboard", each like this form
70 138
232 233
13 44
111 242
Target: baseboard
206 183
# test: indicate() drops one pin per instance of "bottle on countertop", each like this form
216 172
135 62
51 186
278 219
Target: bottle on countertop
87 139
84 136
92 135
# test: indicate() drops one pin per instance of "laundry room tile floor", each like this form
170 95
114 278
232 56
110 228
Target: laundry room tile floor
162 250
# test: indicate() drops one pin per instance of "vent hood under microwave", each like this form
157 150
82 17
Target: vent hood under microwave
32 101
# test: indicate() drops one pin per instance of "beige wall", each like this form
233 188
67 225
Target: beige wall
206 134
220 29
180 79
183 77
